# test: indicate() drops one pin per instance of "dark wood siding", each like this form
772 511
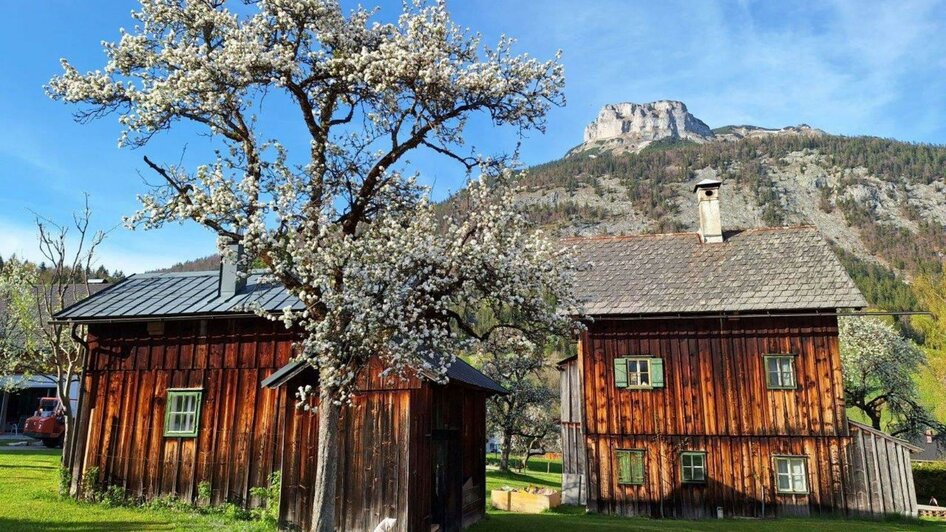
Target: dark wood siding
740 476
574 488
125 389
716 400
246 432
386 458
373 461
715 378
880 476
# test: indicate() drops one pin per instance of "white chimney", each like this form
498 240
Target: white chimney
707 197
231 280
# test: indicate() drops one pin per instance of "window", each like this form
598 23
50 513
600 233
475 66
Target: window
639 372
780 372
183 413
791 474
630 467
693 465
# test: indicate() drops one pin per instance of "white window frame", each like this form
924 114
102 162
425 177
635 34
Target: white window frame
692 467
636 377
796 480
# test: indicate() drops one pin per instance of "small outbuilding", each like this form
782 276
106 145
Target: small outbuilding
184 388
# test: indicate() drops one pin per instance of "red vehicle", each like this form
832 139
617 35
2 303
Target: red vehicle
48 423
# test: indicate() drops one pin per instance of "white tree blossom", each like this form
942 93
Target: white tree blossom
879 367
379 271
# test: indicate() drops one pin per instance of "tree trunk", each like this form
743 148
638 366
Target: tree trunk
507 447
874 418
530 454
326 470
64 398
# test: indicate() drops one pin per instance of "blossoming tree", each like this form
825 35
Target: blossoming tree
341 224
879 367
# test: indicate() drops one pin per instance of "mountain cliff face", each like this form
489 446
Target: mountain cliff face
631 127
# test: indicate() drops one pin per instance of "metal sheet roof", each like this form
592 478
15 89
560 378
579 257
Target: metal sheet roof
459 371
787 268
160 295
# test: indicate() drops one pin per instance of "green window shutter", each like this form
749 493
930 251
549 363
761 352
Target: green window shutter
620 372
637 468
657 372
624 467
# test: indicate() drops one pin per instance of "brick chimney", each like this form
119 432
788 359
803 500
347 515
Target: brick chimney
232 282
707 197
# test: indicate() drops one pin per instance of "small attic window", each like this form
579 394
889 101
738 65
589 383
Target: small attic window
155 328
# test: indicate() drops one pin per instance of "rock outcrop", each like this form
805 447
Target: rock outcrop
629 126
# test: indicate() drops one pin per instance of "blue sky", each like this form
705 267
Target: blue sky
853 68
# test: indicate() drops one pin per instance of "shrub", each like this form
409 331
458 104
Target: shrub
113 496
930 481
268 511
204 493
90 484
65 481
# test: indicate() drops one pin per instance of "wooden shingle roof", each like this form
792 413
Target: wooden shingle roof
771 269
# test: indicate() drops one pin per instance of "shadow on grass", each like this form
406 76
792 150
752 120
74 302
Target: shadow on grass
21 466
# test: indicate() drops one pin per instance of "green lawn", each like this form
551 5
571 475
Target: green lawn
574 518
29 501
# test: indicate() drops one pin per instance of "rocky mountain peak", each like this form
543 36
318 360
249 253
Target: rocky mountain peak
632 127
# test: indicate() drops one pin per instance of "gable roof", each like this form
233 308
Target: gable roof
788 268
459 371
189 294
153 296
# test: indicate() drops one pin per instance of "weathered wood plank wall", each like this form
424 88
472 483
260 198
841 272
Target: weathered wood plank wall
716 400
880 475
739 470
715 378
574 490
125 389
385 458
373 457
247 432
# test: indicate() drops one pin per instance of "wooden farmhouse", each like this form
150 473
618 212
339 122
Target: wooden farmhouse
182 388
708 380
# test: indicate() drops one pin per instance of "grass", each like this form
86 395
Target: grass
29 500
541 472
575 518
